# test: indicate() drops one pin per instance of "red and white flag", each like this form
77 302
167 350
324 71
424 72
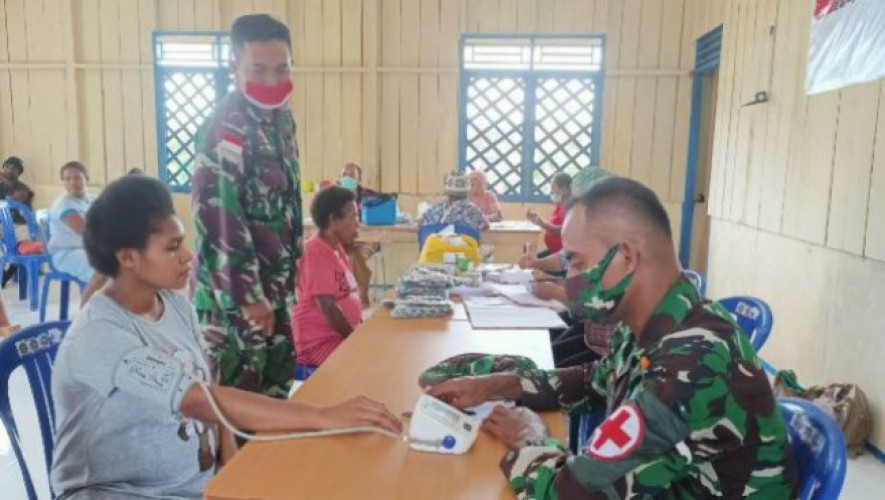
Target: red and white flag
847 44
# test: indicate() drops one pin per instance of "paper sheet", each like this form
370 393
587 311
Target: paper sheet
500 313
520 294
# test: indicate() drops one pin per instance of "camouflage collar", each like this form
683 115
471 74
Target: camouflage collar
258 115
672 312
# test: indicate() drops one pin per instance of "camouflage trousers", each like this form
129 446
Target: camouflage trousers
250 360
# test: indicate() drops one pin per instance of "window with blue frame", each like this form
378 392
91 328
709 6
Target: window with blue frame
530 108
191 72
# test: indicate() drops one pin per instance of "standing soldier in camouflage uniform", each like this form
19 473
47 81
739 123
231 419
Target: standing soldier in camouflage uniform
689 412
247 212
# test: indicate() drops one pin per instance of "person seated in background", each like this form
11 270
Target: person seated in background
13 168
352 179
135 171
556 263
16 190
485 200
130 380
456 208
689 409
360 251
329 306
66 223
560 194
6 329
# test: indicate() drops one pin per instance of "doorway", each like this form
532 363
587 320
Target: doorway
694 239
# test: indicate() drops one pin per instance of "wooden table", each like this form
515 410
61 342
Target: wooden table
510 232
382 360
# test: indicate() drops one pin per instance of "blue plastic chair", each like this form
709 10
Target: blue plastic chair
582 427
818 447
303 372
28 265
34 349
697 280
754 317
54 274
428 229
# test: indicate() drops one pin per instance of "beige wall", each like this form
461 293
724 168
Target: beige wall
375 81
798 201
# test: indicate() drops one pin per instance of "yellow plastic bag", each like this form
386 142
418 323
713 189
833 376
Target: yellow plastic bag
437 245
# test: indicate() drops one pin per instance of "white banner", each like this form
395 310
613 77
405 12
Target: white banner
847 44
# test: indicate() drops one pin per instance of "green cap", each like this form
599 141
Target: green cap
585 179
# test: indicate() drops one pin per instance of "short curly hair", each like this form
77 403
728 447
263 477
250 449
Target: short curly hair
145 201
330 202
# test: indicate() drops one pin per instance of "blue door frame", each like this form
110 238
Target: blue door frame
708 49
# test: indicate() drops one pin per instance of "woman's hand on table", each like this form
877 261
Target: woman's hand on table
357 412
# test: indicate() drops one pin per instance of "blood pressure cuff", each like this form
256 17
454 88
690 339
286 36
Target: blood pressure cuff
151 374
472 364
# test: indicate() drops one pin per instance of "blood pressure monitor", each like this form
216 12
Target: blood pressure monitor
440 428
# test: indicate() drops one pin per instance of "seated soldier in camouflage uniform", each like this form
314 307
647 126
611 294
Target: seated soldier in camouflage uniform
690 413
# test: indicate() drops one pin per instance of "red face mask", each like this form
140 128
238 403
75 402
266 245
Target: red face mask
268 96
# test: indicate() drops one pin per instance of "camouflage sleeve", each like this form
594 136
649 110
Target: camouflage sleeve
573 389
638 450
225 241
299 216
532 469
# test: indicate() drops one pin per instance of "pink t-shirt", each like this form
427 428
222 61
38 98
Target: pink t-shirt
322 270
487 203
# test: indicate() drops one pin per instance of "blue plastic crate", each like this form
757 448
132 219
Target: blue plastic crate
379 210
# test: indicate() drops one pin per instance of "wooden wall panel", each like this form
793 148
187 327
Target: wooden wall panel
351 82
849 198
757 160
409 101
112 93
376 81
724 108
429 165
800 166
331 119
875 241
786 80
640 164
371 49
809 172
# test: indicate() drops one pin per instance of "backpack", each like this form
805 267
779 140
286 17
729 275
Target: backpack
846 403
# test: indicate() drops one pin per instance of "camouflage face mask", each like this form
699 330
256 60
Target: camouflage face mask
586 296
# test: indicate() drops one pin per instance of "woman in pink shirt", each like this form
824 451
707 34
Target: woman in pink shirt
329 307
485 200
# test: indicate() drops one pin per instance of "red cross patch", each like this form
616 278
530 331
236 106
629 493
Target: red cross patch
619 435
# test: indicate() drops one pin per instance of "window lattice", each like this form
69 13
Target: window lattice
530 109
191 76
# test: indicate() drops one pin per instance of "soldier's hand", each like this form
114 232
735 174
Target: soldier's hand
463 392
360 411
260 317
546 290
514 427
527 261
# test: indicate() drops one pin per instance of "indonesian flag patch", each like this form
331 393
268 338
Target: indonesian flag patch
231 146
619 435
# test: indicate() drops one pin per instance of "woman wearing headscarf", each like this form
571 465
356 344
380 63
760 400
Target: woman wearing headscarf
484 199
